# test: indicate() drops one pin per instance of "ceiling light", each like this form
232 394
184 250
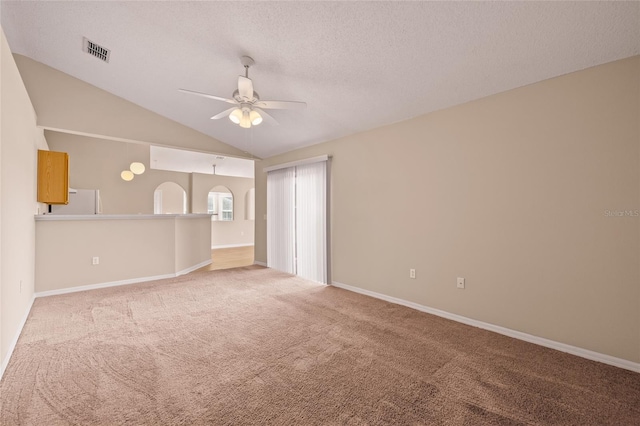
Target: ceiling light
137 168
245 116
255 117
236 115
245 121
126 175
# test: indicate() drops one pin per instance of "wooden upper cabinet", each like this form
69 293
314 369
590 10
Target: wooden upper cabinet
53 177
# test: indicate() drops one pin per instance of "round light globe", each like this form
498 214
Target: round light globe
255 118
245 122
126 175
236 115
137 168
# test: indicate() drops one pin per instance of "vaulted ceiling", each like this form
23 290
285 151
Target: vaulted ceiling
358 65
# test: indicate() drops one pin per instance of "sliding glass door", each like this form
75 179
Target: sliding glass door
297 220
281 241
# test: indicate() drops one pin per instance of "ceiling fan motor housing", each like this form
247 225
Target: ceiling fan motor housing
247 61
240 100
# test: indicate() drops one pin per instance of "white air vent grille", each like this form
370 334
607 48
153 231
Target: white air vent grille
96 50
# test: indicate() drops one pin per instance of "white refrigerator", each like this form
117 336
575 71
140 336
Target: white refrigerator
81 201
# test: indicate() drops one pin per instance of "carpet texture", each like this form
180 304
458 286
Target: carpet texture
256 346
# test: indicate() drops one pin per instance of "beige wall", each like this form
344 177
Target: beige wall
19 141
239 231
71 105
509 192
174 198
128 249
192 242
96 164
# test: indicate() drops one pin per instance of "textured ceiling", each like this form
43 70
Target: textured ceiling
358 65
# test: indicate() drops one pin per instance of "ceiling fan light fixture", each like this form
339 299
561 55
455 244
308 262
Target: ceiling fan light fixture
245 121
236 115
255 117
244 99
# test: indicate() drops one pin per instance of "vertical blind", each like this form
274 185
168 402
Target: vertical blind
311 221
281 220
297 220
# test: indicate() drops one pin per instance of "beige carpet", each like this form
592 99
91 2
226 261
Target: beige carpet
255 346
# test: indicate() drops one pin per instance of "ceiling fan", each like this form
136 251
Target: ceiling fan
248 107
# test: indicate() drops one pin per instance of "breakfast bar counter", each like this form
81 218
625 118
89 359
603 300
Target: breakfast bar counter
77 252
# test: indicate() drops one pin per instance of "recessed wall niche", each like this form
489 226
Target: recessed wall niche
169 198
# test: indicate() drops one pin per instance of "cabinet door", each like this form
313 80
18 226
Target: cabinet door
53 177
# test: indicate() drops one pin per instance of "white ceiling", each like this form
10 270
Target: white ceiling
358 65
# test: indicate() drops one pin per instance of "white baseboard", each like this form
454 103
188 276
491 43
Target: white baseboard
260 263
221 246
194 267
102 285
121 282
14 341
563 347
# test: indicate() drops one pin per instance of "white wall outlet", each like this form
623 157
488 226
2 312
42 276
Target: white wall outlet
95 260
412 273
460 282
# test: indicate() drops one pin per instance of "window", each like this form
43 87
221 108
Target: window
227 208
220 203
212 204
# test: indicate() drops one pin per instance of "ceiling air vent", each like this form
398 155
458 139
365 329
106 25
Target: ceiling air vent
96 50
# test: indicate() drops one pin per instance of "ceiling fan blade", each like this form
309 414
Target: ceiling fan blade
267 118
245 88
223 114
280 104
206 95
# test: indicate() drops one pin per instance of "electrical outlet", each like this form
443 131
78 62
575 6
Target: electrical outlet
412 273
95 261
460 282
